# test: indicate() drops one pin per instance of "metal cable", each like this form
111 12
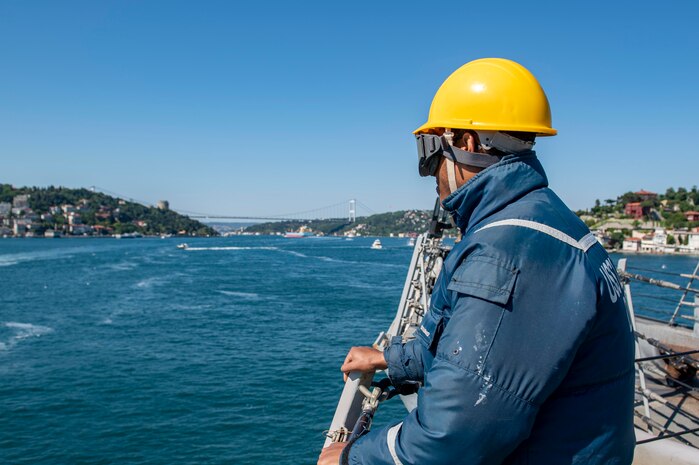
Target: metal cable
667 273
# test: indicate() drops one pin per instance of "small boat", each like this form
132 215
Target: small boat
182 246
411 242
376 245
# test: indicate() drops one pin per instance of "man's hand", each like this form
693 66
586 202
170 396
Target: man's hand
364 359
331 454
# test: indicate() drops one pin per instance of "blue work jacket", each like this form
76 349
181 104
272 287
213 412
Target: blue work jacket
526 354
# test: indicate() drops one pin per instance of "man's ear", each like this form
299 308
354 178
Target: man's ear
470 141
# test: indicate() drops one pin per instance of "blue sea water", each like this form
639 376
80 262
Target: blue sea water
135 352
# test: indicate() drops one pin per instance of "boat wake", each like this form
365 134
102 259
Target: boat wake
21 331
17 258
147 283
122 266
354 262
295 254
199 249
242 295
323 258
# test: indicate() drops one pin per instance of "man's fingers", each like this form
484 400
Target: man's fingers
359 359
347 366
348 357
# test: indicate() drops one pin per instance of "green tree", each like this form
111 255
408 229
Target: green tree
629 197
616 239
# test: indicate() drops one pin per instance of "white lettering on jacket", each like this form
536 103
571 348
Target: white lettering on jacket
610 277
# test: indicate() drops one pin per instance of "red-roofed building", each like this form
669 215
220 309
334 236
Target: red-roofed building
631 244
692 216
102 230
645 195
634 210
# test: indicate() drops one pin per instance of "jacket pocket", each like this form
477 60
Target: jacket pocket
485 278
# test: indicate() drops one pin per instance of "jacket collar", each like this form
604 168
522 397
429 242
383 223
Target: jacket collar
494 188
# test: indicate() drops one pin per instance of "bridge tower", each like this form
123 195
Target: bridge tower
352 211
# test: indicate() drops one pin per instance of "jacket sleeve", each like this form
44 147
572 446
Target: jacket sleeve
408 362
483 391
405 361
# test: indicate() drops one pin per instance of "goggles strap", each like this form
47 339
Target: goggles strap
503 142
480 160
451 174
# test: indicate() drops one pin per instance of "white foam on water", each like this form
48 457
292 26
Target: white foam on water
147 283
199 249
23 331
122 266
56 254
295 254
243 295
354 262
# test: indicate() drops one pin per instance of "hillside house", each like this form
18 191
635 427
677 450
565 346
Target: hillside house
692 216
635 210
646 195
632 244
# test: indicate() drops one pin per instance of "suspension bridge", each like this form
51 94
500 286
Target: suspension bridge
347 210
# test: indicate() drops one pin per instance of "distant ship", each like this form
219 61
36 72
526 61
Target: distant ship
133 235
376 245
302 232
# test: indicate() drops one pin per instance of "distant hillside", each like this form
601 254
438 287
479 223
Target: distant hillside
382 224
672 209
92 213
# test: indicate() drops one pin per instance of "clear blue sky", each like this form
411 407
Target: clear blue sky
274 107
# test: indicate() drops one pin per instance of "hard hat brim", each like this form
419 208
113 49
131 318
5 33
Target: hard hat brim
540 131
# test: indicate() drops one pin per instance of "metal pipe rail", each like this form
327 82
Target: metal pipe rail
656 282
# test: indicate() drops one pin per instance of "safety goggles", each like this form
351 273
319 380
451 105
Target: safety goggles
431 148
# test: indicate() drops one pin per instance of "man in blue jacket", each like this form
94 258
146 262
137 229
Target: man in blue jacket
526 354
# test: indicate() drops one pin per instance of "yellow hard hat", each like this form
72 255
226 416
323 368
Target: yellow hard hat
491 94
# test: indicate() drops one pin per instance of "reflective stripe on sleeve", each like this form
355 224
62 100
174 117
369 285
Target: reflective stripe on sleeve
391 440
